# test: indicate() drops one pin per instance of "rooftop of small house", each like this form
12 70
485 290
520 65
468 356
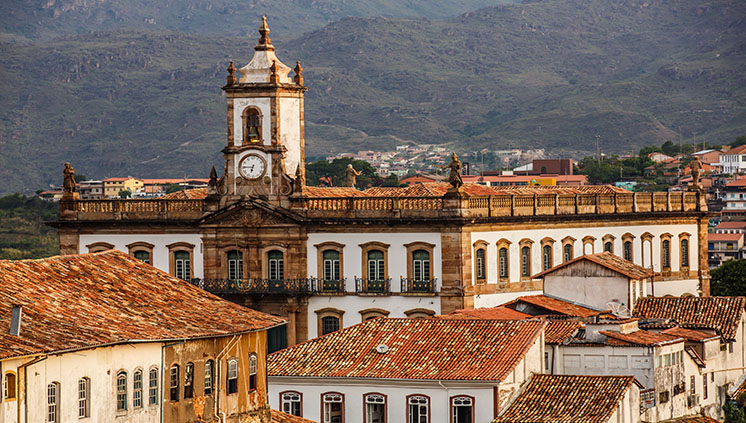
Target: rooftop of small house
567 399
721 314
83 301
417 349
607 260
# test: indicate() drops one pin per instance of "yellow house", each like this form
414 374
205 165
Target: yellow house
112 186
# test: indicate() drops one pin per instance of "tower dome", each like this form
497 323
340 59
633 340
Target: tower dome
259 70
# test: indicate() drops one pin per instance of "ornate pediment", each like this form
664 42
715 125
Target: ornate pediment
251 213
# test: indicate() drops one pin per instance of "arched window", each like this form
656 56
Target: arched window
334 409
546 257
235 265
182 265
9 386
567 252
525 261
609 246
189 380
275 265
137 389
253 370
684 252
291 402
627 247
232 376
331 265
174 383
209 376
142 255
329 324
53 402
153 386
502 256
122 391
418 409
84 397
375 408
252 124
462 409
481 266
421 265
376 269
666 254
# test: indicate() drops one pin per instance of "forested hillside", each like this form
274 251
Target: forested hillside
552 73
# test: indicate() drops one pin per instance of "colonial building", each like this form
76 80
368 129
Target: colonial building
327 258
103 337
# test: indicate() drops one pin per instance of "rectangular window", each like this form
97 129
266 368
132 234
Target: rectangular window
276 269
418 409
331 270
704 386
83 397
122 391
375 408
333 408
232 376
208 377
291 403
526 261
503 259
189 380
462 409
235 266
182 265
137 389
53 402
253 368
174 380
692 387
153 387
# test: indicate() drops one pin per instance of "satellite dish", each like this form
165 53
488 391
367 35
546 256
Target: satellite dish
618 309
382 349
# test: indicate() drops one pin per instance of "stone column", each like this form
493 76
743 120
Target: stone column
702 251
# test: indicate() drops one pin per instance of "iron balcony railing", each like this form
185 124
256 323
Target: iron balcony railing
256 286
412 285
373 286
329 286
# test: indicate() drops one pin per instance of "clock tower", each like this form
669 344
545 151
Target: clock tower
265 153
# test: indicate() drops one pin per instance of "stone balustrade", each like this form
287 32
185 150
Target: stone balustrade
500 205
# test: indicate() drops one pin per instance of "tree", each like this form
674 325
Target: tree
739 141
391 181
80 178
729 279
336 170
670 148
733 413
125 193
172 188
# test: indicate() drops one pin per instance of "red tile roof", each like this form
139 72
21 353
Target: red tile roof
714 237
722 314
320 192
82 301
282 417
639 337
738 390
560 189
609 261
689 334
567 399
556 306
731 225
692 419
187 194
495 313
736 150
425 349
559 331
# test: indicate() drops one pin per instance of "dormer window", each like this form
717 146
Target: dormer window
252 126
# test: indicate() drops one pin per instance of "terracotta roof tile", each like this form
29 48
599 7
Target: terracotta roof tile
722 314
639 337
724 237
425 349
282 417
495 313
559 331
187 194
689 334
560 189
320 192
731 225
739 390
81 301
556 306
609 261
567 399
692 419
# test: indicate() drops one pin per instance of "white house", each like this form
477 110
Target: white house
401 370
733 161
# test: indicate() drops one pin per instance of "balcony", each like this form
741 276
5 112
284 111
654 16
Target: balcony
327 286
419 286
257 286
373 286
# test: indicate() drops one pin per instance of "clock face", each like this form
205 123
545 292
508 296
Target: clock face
253 166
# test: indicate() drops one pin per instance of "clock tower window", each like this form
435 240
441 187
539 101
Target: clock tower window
252 125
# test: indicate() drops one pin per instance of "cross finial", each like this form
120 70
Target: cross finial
298 73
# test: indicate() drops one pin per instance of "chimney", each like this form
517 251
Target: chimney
15 320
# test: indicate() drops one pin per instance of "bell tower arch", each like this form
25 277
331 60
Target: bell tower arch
265 151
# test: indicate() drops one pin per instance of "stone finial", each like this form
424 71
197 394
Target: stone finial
264 42
274 77
231 78
213 177
298 73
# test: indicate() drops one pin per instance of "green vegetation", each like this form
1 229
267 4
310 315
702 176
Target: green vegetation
22 230
336 172
733 413
551 74
729 279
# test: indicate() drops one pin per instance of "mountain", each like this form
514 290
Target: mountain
552 74
44 19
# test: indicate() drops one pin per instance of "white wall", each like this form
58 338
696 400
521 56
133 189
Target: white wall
606 360
101 366
536 235
593 291
160 252
290 132
494 300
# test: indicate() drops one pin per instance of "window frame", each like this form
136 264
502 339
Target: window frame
275 268
136 390
503 263
606 240
234 265
9 384
568 242
665 252
121 381
628 238
97 247
385 405
253 372
409 411
53 402
589 240
153 389
84 397
174 376
685 265
320 265
452 406
209 379
231 388
480 263
412 248
189 380
245 116
547 242
323 402
328 312
141 246
372 246
180 247
526 254
290 402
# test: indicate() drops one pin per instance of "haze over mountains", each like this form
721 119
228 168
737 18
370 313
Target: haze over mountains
551 73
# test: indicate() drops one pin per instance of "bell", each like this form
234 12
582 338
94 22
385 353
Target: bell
253 133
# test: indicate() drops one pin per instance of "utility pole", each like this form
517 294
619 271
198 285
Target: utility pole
598 148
